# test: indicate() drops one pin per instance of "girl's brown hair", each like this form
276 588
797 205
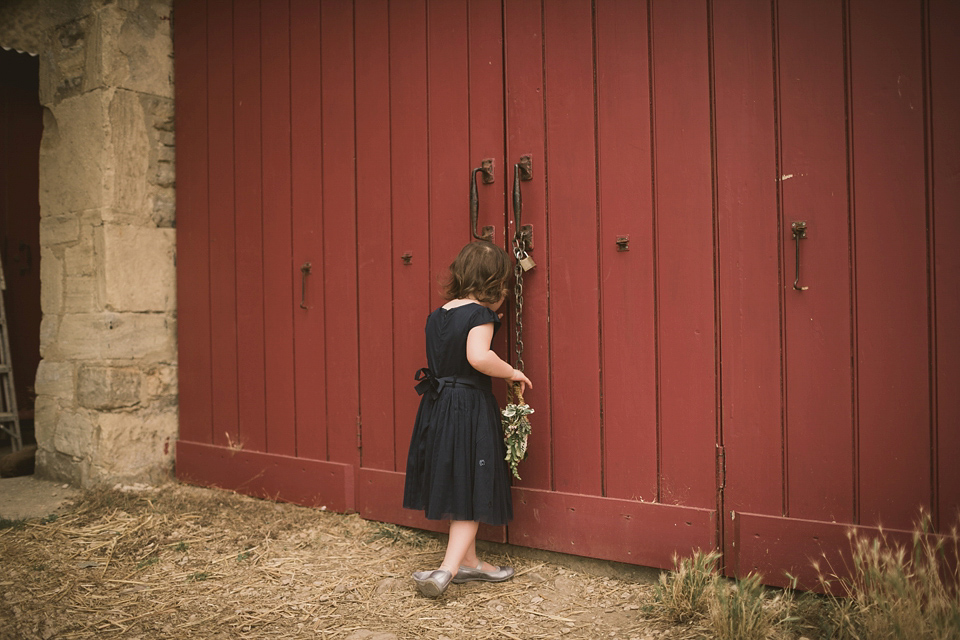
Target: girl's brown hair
480 270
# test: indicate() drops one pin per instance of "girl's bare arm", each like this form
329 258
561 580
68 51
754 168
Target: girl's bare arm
482 358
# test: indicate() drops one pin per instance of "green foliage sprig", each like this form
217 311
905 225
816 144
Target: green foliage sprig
516 428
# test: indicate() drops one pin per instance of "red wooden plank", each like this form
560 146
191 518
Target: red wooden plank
572 206
380 496
685 262
448 148
307 172
774 546
376 263
412 283
340 231
526 135
749 239
818 324
641 533
892 324
277 230
486 125
193 231
945 99
312 483
221 198
249 228
486 140
627 316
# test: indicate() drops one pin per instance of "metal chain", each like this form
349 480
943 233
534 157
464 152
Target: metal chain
518 295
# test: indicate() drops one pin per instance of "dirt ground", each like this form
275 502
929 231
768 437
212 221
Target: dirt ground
187 562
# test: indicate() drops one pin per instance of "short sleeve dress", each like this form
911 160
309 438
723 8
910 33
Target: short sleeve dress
456 468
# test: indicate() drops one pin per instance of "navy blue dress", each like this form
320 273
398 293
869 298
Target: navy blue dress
456 468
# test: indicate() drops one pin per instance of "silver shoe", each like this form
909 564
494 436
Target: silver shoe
432 583
466 574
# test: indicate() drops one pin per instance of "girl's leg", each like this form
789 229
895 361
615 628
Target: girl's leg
462 540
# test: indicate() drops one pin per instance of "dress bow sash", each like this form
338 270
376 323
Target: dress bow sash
428 381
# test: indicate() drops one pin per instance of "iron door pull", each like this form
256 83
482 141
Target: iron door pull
799 230
304 272
486 168
523 239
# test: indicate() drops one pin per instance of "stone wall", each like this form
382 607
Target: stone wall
106 408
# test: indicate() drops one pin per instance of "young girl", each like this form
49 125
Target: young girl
456 468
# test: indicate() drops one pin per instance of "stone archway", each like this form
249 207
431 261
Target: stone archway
106 408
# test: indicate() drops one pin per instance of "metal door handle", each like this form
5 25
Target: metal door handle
304 272
486 168
523 170
799 230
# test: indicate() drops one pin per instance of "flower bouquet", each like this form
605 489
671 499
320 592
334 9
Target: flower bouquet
516 427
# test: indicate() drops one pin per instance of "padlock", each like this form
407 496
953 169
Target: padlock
526 262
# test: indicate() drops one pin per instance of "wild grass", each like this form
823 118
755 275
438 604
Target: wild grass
889 591
746 610
681 594
907 592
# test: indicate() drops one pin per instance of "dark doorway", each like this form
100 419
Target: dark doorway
21 127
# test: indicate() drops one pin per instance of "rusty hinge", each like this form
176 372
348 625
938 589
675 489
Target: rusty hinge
721 468
359 439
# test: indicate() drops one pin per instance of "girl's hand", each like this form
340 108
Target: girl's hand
522 379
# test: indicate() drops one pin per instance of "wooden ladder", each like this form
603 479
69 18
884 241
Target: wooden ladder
9 417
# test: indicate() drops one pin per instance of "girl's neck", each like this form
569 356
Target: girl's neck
459 302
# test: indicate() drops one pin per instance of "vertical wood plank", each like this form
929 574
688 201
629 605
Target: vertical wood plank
193 225
448 134
572 206
249 229
818 321
749 239
945 98
307 196
410 198
223 278
278 270
525 126
684 202
374 232
889 183
486 138
627 285
340 231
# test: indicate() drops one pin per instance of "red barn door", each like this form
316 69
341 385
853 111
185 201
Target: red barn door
324 151
836 409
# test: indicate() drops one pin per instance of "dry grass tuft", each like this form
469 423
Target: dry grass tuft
899 592
681 595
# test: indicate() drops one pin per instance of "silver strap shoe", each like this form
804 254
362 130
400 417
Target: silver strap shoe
432 583
467 574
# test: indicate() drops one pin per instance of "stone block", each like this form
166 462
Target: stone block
59 467
55 230
51 277
129 157
148 337
136 48
160 382
135 446
46 412
55 379
80 259
81 295
72 170
139 273
74 434
49 334
108 387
